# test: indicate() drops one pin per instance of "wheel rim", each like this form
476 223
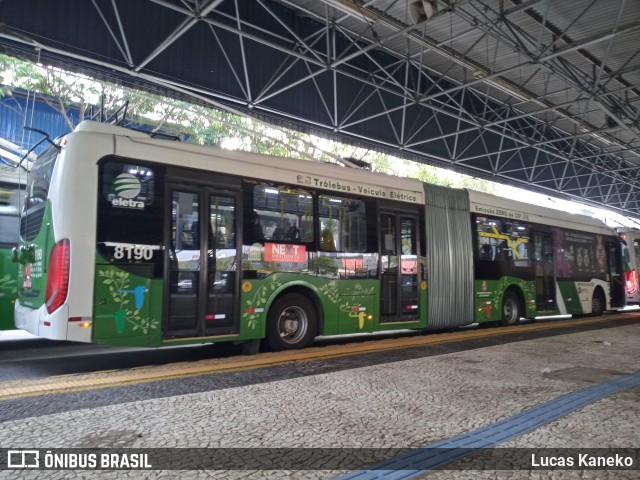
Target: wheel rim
597 304
510 311
292 325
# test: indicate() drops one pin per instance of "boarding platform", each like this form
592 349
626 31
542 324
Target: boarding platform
473 403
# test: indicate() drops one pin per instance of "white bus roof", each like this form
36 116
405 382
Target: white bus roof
97 127
142 146
483 203
139 145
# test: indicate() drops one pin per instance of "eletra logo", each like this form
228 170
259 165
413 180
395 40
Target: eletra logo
126 187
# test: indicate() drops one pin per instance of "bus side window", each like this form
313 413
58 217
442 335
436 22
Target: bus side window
503 251
255 233
195 235
343 223
327 243
278 234
286 214
486 252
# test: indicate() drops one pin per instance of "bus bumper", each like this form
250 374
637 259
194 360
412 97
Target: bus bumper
38 322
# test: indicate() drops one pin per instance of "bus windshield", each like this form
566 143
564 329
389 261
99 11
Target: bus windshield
40 178
36 193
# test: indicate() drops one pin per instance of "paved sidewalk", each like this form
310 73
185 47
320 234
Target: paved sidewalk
404 404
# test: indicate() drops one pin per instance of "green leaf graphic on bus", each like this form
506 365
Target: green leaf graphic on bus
330 290
7 286
343 297
259 300
120 289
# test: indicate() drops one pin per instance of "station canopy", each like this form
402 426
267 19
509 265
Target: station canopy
541 94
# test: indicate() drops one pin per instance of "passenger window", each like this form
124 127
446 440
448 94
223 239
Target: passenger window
343 224
501 240
280 214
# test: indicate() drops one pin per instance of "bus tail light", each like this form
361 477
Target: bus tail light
632 282
58 276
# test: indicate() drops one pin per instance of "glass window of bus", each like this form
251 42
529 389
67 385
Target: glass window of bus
575 255
131 211
343 224
9 213
37 193
348 237
501 240
40 178
636 251
279 214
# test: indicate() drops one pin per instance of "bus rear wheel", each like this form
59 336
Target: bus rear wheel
511 309
291 322
597 303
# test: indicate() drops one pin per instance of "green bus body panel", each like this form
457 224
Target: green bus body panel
128 308
117 320
489 293
34 296
8 289
338 299
571 296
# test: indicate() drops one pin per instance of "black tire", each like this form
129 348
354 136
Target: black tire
292 322
597 303
511 309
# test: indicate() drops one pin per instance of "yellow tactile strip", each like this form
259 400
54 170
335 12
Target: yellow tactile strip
115 378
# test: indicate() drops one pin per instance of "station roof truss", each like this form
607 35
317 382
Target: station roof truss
542 94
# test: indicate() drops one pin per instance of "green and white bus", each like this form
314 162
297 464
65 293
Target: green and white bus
11 182
128 239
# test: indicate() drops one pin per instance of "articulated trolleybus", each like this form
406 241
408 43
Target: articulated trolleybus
128 239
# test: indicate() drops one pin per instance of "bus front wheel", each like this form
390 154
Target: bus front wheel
291 322
510 309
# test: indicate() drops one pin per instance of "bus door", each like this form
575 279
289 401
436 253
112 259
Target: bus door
202 261
616 272
545 280
399 268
